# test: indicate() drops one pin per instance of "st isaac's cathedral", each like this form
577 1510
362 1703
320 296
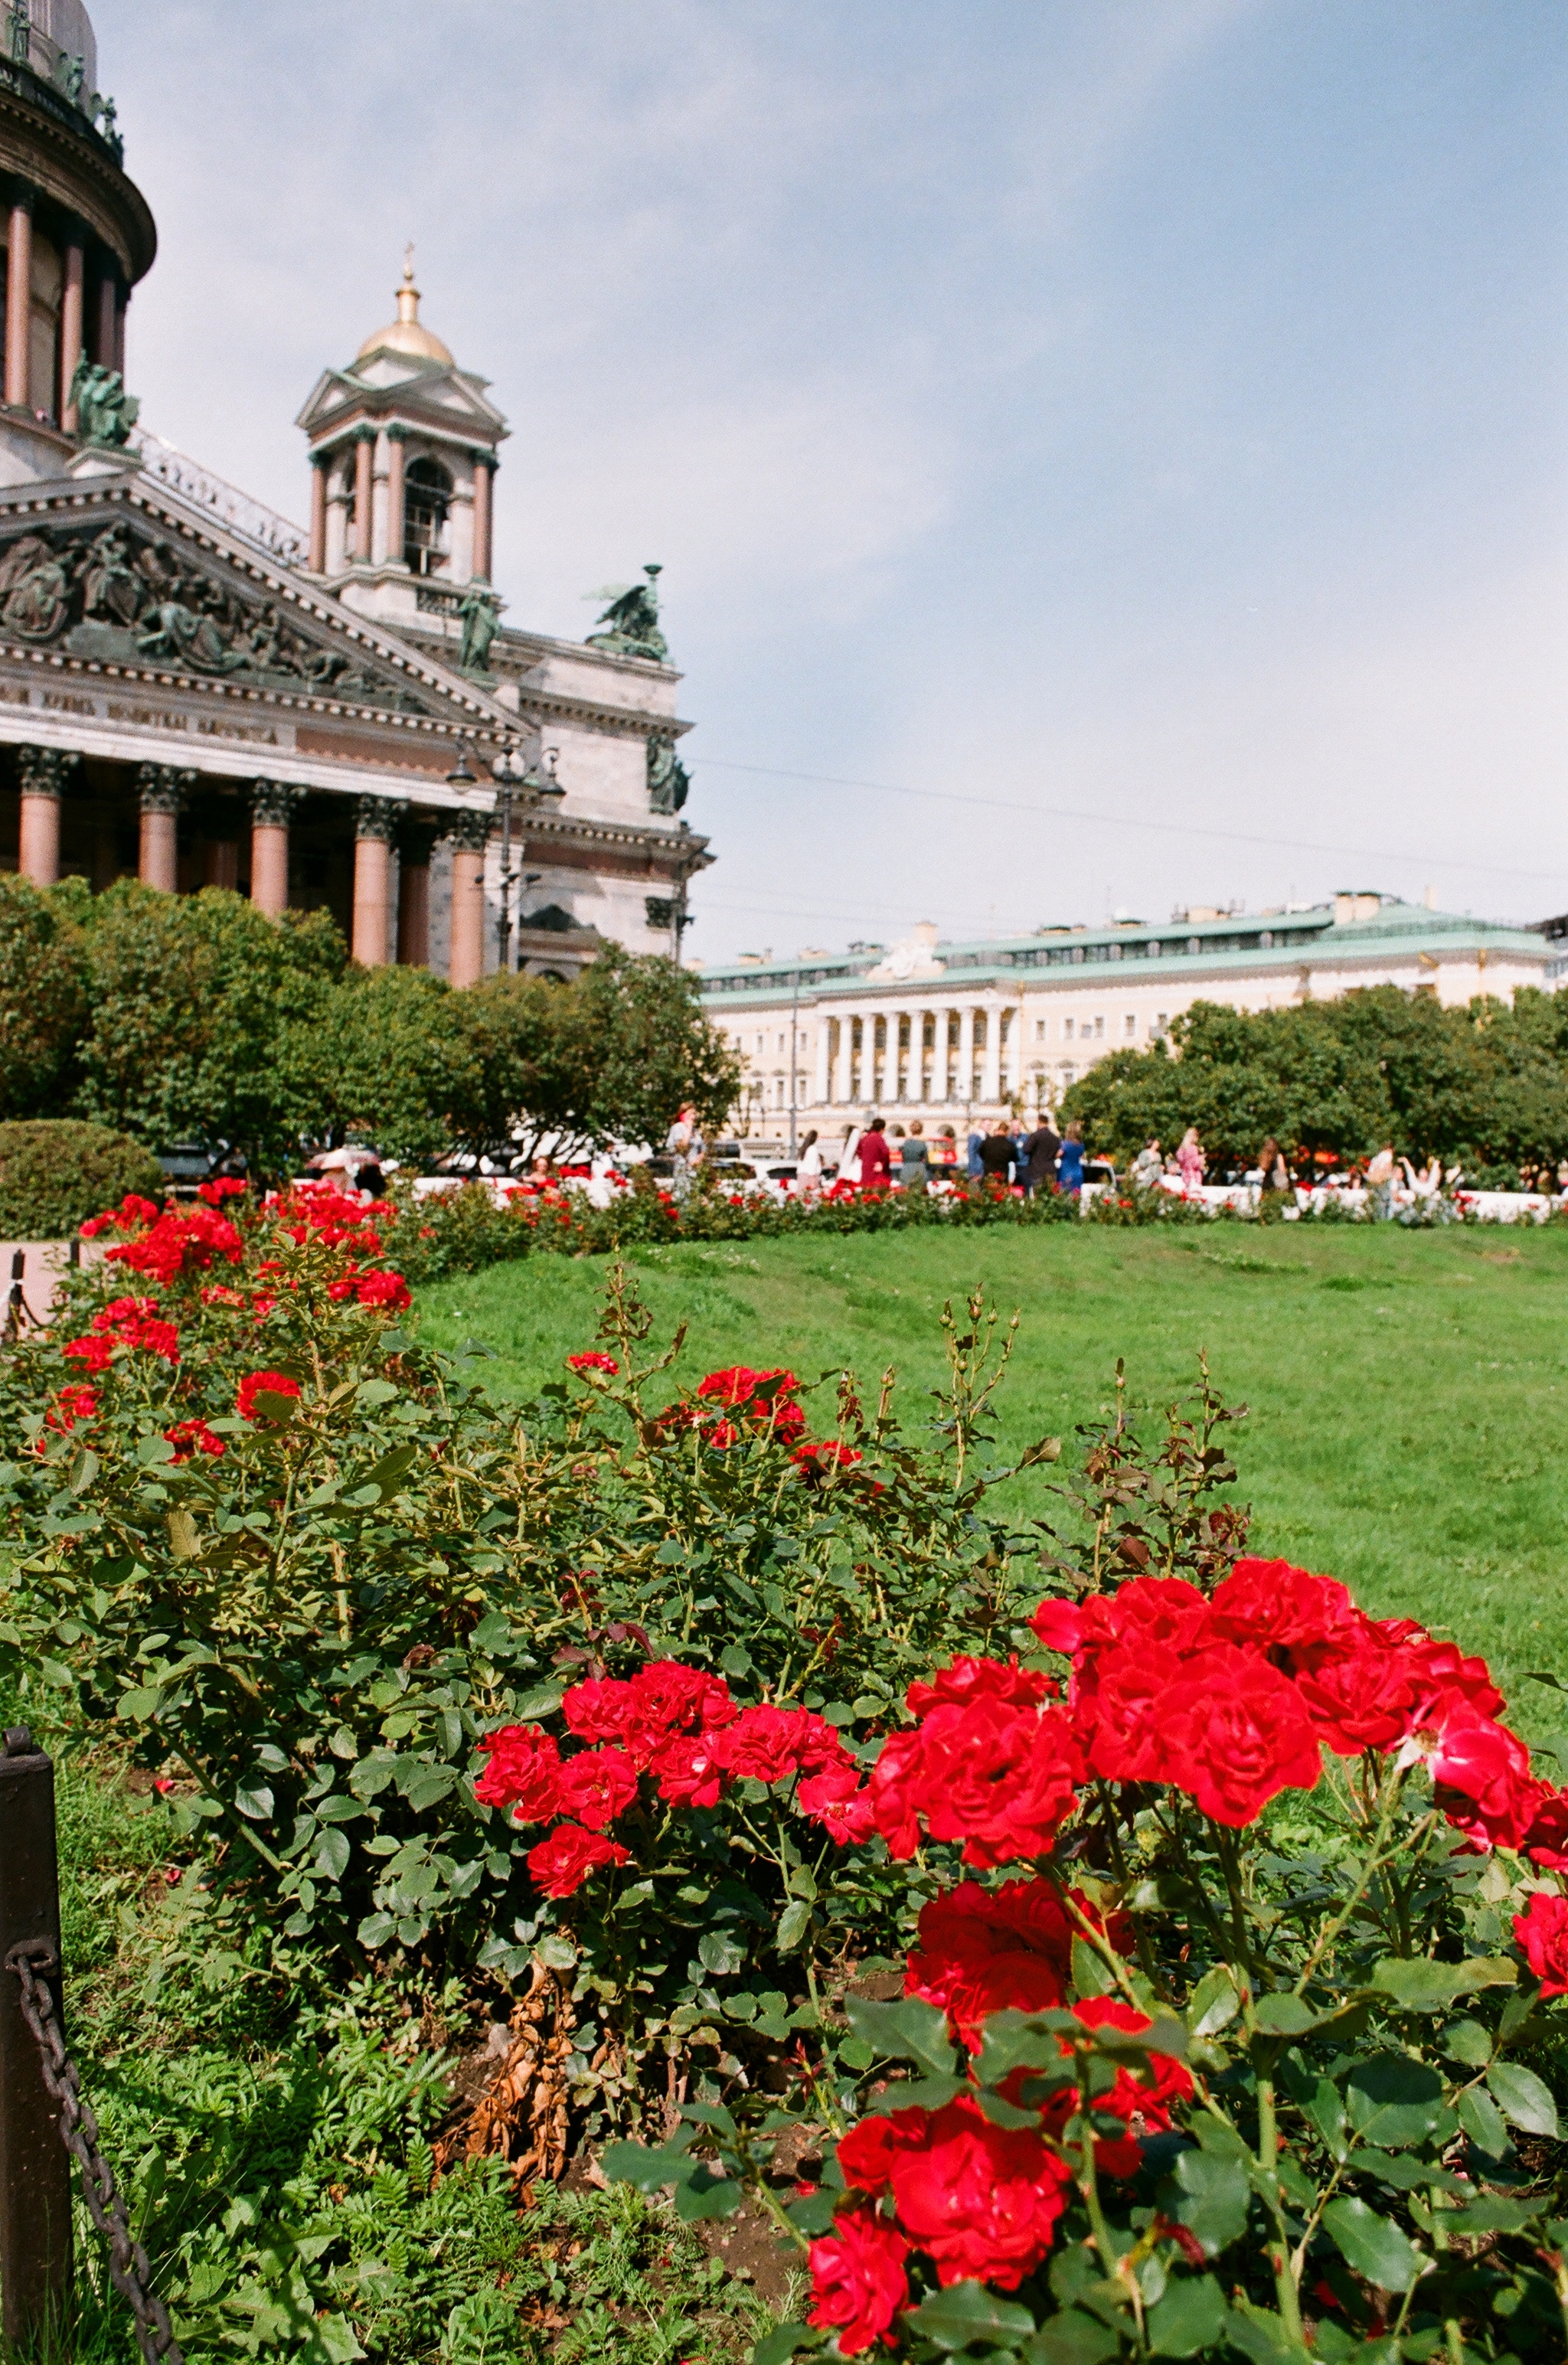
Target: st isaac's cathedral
194 691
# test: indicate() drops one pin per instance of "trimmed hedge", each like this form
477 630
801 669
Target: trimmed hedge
56 1172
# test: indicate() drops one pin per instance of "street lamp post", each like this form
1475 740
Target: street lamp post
794 1050
519 783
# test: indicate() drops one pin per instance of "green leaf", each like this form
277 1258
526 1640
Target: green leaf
1467 2041
1483 2123
1188 2318
1371 2245
786 2340
392 1468
1283 2015
968 2312
1492 2215
375 1929
1210 2196
491 1631
1326 2109
185 1537
1419 1984
649 2169
720 1952
332 1855
1392 2101
542 1701
1522 2098
255 1804
1091 1975
705 2195
793 1925
908 2031
1215 2001
1072 2338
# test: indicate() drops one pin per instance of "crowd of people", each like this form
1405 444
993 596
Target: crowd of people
870 1155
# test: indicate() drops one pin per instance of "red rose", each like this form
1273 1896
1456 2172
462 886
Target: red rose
1542 1931
596 1786
599 1710
560 1864
1545 1843
388 1291
867 2150
1267 1605
668 1696
592 1362
971 1679
1141 2099
255 1383
70 1406
688 1771
1482 1782
858 2281
985 1950
1000 1779
838 1800
1359 1699
768 1745
1117 1710
194 1437
1234 1732
93 1354
981 2201
818 1460
524 1773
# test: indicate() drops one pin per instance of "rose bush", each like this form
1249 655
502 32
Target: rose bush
1185 2086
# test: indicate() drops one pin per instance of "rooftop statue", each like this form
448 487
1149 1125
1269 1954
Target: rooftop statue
105 412
668 779
633 621
481 613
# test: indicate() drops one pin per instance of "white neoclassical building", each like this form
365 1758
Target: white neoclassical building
956 1031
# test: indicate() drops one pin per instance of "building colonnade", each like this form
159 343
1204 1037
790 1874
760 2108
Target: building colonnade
64 297
360 494
906 1054
381 824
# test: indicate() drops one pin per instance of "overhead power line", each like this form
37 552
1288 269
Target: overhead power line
1182 828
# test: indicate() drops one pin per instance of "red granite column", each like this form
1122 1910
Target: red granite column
19 301
394 524
273 804
484 497
162 790
104 344
465 955
375 818
71 331
42 772
318 463
415 840
364 493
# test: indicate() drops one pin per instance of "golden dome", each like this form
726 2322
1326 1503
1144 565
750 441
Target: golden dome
407 333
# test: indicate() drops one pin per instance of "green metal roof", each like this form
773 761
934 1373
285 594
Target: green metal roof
1236 943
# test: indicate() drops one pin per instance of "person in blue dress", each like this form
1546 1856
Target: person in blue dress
1070 1164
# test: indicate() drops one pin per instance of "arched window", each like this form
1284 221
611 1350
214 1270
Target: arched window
427 496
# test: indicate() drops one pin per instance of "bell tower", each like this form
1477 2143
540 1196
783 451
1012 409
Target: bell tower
403 460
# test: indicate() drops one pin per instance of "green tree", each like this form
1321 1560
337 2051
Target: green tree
381 1057
43 998
189 996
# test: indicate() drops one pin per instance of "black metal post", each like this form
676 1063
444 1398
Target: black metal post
35 2170
15 1304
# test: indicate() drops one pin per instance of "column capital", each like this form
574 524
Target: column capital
43 771
395 432
274 804
21 197
485 459
377 817
469 832
164 788
365 431
320 457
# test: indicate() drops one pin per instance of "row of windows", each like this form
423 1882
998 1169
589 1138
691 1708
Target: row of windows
1053 956
1083 1030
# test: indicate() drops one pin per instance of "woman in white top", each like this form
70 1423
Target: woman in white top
809 1167
849 1156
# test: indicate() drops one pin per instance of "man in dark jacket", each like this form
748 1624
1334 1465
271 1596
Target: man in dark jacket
1039 1150
999 1153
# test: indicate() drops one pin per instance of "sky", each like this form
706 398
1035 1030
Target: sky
1103 457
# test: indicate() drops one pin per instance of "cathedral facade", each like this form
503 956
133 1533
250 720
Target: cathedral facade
194 692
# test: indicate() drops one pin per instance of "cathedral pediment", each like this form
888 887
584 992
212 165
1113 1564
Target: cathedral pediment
404 386
123 585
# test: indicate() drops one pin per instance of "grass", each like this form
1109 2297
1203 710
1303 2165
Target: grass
1408 1391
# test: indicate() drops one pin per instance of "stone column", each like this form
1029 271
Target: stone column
917 1056
966 1053
844 1079
19 301
820 1082
320 462
42 772
484 495
415 840
273 806
162 790
121 302
395 501
105 339
1016 1051
376 820
364 492
71 328
990 1087
470 835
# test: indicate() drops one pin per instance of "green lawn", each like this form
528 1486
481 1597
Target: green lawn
1407 1389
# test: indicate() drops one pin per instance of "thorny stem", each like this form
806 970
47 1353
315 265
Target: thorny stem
1278 2249
1331 1930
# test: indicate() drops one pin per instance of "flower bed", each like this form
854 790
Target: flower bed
1169 1966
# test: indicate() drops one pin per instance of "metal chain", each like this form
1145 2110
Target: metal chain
130 2269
